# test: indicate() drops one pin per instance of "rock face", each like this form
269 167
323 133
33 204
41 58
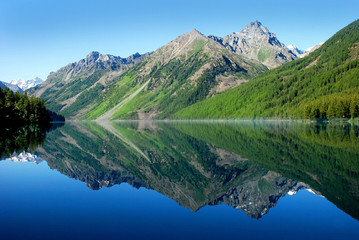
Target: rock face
296 51
26 84
256 42
96 61
93 62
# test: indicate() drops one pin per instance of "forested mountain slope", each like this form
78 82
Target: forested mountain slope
183 72
324 84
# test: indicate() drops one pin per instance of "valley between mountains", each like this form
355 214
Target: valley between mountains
246 74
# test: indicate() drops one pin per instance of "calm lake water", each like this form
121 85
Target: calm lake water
178 180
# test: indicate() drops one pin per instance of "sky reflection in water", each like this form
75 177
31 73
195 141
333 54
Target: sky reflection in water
42 203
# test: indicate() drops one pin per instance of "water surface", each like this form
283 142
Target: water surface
176 180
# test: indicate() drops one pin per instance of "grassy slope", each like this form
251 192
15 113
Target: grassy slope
323 85
62 91
170 88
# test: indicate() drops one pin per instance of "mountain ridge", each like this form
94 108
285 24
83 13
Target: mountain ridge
188 69
69 86
323 85
255 41
178 74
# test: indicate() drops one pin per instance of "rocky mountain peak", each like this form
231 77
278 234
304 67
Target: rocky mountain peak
196 32
255 27
84 68
93 55
256 42
193 34
178 47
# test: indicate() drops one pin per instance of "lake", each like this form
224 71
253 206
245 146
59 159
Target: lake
181 180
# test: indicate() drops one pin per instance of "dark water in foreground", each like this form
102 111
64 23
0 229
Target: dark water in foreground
145 180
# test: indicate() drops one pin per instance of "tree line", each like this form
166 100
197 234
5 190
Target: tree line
18 109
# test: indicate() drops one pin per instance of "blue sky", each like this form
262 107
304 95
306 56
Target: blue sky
37 37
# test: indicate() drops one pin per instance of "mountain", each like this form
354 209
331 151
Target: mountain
313 48
256 42
258 196
296 51
323 156
325 84
186 70
26 84
12 87
25 157
303 53
74 85
159 157
247 165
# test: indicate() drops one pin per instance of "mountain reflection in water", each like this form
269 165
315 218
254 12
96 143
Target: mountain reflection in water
247 165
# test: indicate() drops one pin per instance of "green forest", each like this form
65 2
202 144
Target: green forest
17 109
324 156
323 85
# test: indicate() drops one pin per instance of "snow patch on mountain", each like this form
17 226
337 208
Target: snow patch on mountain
25 157
303 53
26 84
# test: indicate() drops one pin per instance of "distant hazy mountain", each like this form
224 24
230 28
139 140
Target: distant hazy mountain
256 42
25 157
303 53
12 87
26 84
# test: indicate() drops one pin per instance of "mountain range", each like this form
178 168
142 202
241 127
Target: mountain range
323 85
186 70
248 166
21 85
180 77
190 171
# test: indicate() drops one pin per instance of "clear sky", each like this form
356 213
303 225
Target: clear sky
37 37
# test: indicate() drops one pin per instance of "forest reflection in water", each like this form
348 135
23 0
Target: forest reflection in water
246 165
